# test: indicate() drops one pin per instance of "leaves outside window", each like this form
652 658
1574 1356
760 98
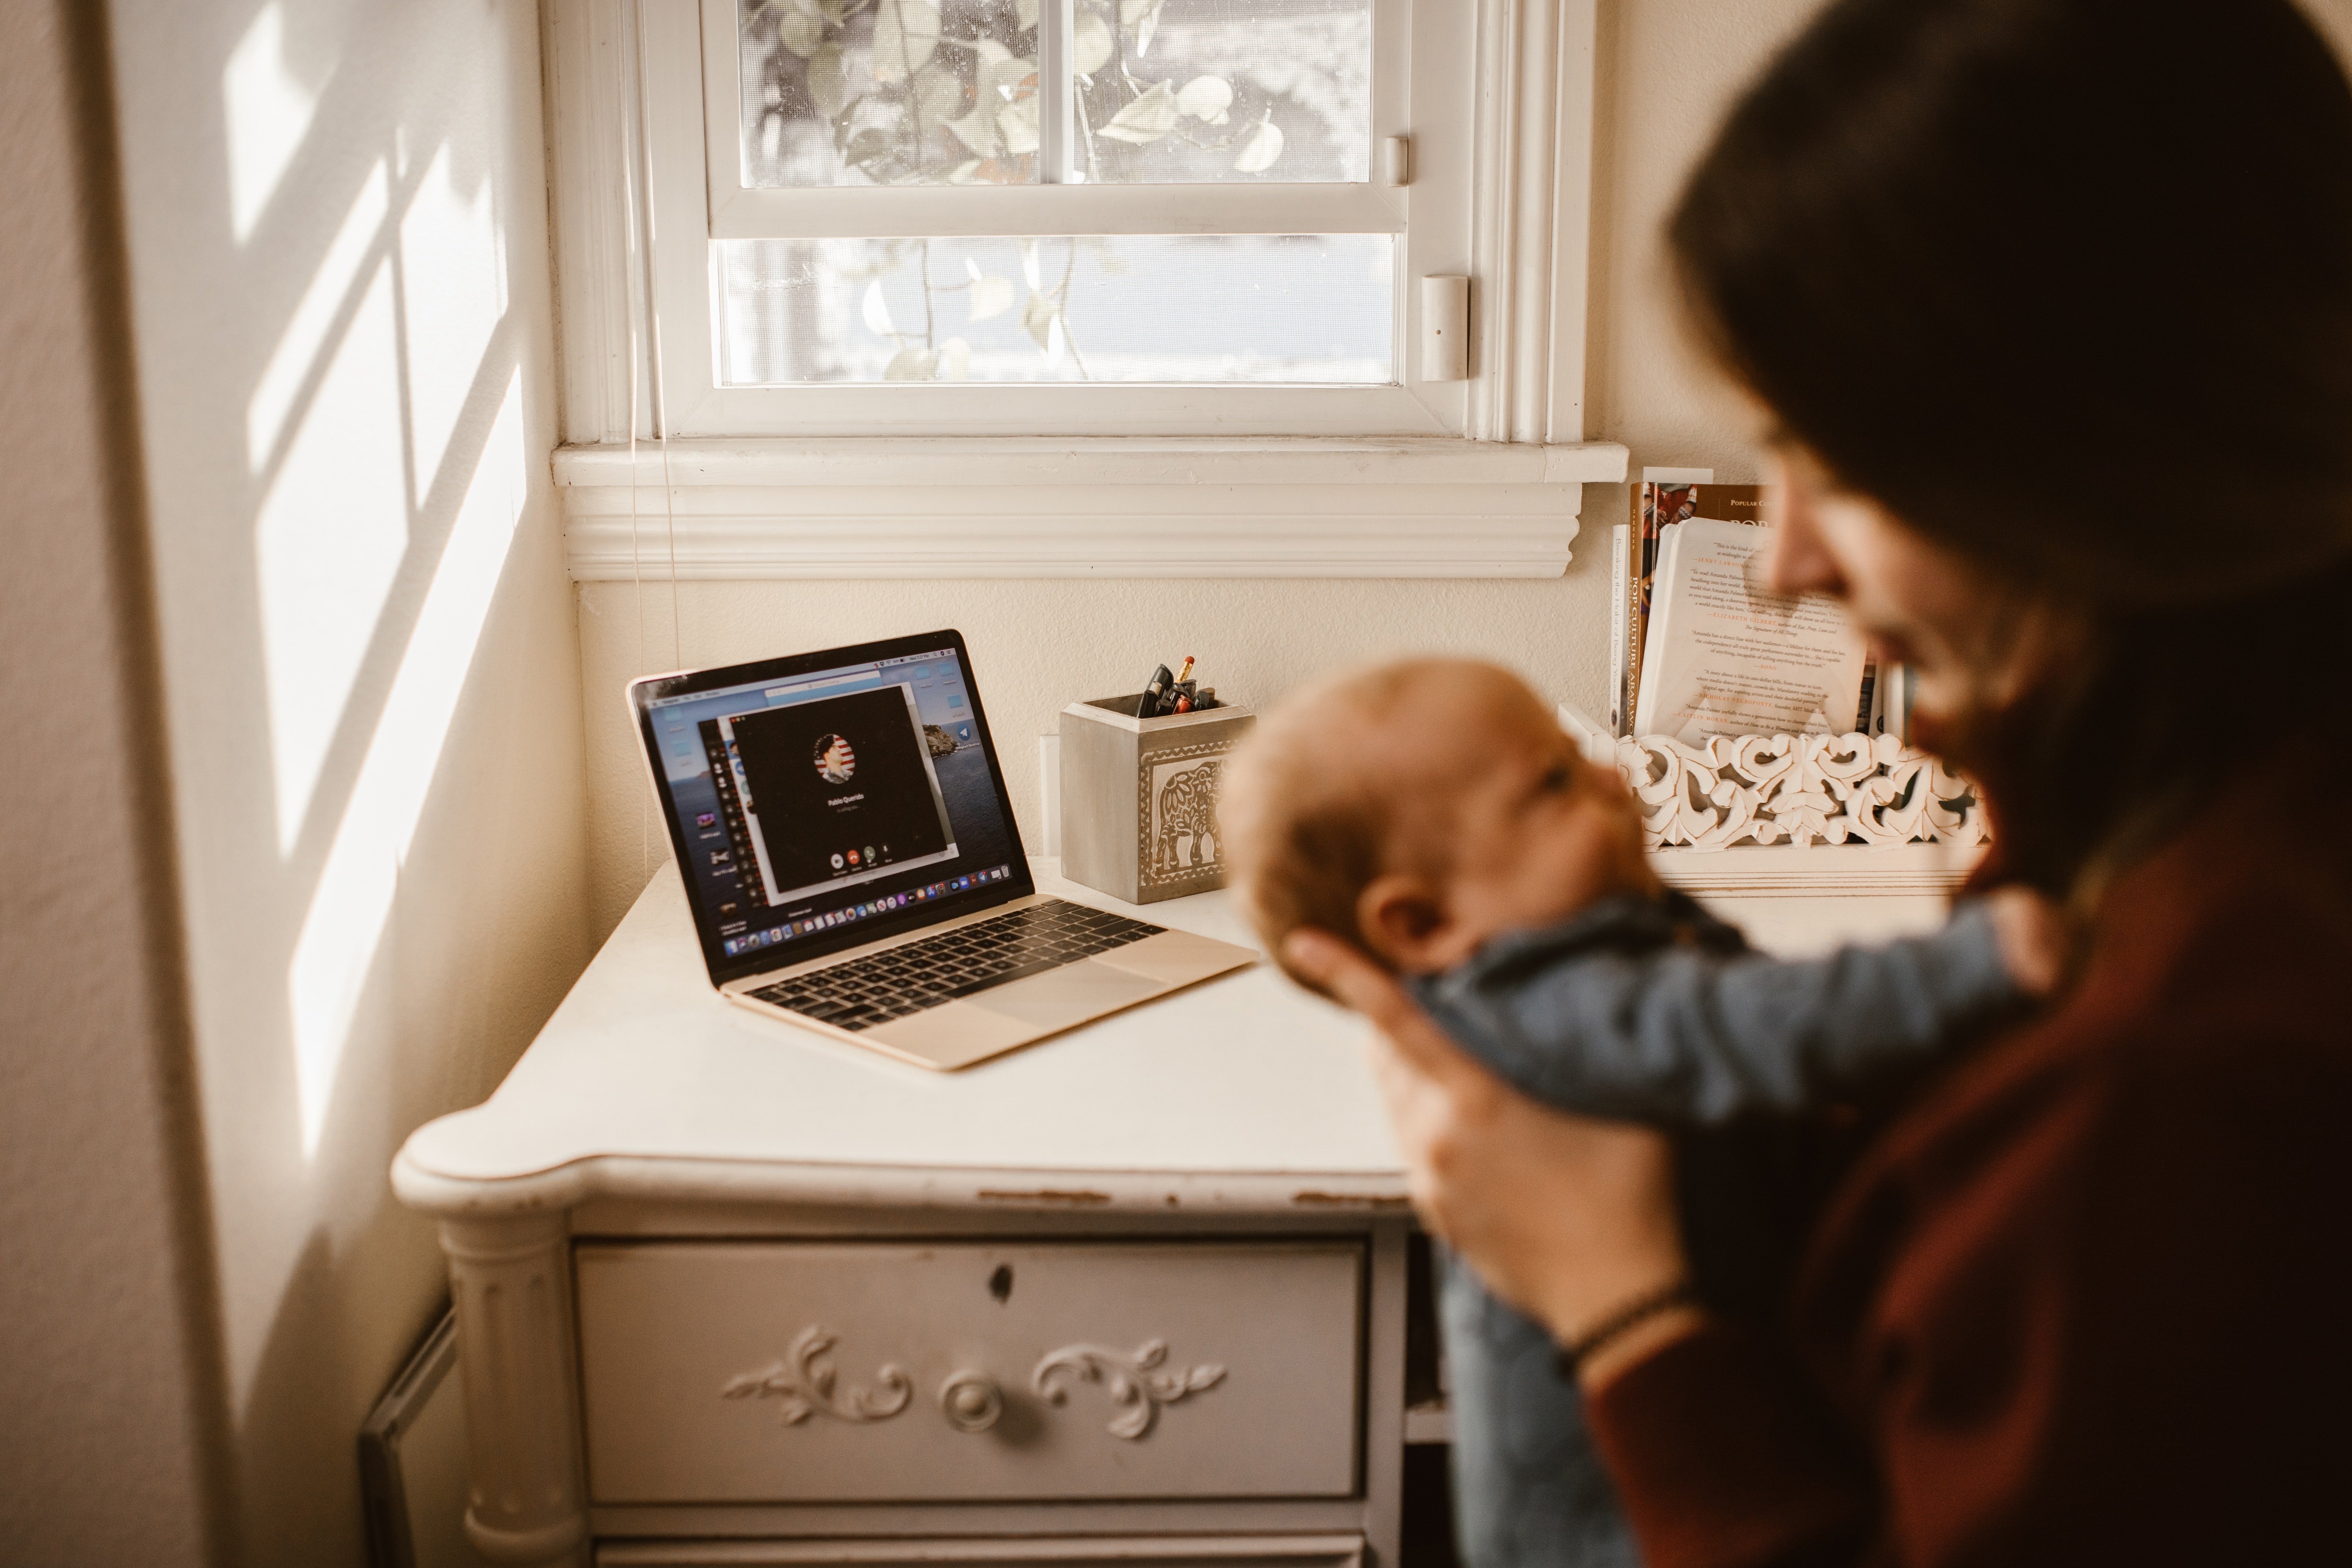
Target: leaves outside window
899 92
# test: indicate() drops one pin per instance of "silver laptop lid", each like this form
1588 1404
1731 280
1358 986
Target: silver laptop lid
824 800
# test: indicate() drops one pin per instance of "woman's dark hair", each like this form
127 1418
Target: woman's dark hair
2067 285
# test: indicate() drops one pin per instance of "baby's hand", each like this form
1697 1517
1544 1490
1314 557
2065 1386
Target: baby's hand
2032 935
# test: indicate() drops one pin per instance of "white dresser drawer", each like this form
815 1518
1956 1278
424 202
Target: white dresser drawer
782 1372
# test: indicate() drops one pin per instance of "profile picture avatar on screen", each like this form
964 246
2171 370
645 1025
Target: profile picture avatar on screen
836 760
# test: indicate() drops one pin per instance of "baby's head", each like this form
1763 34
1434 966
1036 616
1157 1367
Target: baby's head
1418 810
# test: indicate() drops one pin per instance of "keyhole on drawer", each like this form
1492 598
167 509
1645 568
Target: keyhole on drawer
999 1284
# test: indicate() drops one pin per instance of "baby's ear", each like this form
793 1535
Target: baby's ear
1404 920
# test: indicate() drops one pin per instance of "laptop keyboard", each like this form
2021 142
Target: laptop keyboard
904 981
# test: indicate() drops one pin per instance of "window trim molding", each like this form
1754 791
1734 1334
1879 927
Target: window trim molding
1100 506
1529 78
1531 218
1336 498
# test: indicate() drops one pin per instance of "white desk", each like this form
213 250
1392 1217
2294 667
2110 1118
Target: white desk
669 1193
655 1215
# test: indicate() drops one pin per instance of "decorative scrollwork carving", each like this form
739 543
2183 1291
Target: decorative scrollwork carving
802 1383
971 1401
1136 1388
1800 788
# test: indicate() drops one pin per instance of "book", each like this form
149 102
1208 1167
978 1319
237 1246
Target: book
1664 497
1723 657
1656 626
1894 703
1620 538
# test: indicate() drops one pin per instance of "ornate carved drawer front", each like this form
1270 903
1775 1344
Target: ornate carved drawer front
747 1372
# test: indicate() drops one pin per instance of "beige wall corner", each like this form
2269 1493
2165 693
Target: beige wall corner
110 1374
340 303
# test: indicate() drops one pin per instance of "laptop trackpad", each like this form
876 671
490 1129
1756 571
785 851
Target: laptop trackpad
1069 995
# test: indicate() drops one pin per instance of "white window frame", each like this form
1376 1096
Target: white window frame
1499 190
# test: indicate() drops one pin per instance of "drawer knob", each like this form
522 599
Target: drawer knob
1137 1387
971 1401
803 1383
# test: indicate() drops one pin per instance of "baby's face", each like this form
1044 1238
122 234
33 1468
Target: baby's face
1533 831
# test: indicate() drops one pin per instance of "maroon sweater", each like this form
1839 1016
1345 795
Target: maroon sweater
2088 1302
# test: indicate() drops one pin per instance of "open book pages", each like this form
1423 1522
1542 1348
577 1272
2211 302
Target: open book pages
1665 496
1725 657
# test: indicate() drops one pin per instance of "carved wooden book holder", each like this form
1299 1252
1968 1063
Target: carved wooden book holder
1797 789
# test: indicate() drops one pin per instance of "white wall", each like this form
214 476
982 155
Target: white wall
1667 70
343 345
105 1373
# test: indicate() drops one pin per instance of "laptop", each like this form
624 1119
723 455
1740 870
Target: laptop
843 831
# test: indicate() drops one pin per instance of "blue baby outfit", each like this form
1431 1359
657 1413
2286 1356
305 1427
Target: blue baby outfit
1652 1010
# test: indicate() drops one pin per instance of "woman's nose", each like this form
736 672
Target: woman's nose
1798 561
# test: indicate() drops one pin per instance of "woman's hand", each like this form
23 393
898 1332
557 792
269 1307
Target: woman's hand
2034 939
1566 1217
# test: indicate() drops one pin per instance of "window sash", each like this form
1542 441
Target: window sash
847 409
690 163
940 212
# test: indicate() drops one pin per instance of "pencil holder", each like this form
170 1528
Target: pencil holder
1797 789
1139 797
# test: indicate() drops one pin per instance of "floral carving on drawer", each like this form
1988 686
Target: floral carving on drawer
803 1383
1137 1389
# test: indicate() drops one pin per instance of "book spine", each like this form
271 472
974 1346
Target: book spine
1638 557
1621 539
1660 611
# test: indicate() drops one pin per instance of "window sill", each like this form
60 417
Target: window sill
1090 507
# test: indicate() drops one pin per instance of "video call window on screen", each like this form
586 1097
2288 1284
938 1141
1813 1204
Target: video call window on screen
837 790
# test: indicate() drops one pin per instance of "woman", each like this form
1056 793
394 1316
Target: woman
2048 307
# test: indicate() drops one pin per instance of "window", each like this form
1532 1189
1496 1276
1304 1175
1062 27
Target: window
912 221
1242 100
1074 216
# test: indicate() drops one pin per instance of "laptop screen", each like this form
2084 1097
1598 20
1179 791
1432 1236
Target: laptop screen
822 800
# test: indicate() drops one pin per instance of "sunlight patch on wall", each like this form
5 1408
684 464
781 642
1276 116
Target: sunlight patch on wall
352 905
453 287
329 544
270 112
306 332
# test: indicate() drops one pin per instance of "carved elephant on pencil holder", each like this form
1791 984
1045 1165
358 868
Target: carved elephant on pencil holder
1188 805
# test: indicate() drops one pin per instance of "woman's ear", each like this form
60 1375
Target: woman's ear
1404 920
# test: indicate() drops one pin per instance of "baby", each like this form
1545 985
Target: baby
1434 812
